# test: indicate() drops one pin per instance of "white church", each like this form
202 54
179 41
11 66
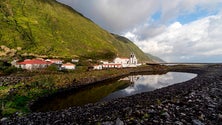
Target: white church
127 62
119 63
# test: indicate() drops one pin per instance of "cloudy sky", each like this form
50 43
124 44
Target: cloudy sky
174 30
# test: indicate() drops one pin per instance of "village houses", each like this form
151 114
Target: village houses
119 63
32 64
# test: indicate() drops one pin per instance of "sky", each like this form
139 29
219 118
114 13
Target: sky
174 30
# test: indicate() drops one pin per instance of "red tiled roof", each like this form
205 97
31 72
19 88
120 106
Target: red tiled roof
34 61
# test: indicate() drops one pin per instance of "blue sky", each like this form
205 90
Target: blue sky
196 15
176 31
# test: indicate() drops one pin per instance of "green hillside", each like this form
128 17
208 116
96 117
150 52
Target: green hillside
155 58
49 28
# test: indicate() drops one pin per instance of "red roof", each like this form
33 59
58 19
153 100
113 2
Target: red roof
34 61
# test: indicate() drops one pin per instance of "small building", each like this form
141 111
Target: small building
31 64
75 60
68 66
55 61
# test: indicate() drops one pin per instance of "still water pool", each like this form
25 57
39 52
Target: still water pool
130 85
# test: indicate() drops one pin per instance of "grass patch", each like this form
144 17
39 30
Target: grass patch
14 104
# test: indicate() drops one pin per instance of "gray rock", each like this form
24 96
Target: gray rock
183 114
107 123
119 122
197 122
219 116
4 119
178 123
166 114
151 111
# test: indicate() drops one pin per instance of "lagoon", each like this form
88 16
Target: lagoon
127 86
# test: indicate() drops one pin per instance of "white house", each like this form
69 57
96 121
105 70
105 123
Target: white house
55 61
68 66
75 60
121 60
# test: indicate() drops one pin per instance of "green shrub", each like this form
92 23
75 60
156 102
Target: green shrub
52 68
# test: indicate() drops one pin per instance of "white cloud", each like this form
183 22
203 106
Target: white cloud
121 15
197 40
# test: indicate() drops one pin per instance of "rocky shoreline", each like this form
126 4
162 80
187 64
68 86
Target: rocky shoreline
197 101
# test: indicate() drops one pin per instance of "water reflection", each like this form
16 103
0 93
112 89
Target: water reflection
113 89
145 83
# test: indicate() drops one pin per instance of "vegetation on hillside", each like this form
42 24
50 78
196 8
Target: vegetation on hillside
6 68
155 58
49 28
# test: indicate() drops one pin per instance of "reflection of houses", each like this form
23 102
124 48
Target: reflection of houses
68 66
119 63
33 64
131 79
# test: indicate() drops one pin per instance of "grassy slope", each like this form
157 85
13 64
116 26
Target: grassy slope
46 27
155 58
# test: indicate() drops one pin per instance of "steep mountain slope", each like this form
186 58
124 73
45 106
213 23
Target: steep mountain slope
155 58
46 27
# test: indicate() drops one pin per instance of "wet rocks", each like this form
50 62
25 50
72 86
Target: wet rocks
197 122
